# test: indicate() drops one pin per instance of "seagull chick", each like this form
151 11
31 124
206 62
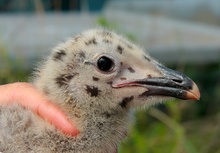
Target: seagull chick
97 78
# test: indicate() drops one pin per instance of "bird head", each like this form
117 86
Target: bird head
101 71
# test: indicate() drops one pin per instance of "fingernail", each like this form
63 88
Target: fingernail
70 129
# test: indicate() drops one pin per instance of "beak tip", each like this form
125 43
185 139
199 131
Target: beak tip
194 93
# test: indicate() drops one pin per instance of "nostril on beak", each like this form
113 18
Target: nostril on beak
177 81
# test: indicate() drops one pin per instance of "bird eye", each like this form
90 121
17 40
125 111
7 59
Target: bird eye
105 64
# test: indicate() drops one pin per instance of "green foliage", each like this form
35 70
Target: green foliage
103 22
106 24
11 68
166 135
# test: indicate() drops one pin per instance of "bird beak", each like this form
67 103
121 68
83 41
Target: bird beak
171 83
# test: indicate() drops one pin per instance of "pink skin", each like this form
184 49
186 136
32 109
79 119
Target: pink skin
29 97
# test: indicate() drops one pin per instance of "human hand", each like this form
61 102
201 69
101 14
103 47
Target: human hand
29 97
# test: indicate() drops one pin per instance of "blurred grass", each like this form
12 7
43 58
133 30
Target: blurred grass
174 127
103 22
11 68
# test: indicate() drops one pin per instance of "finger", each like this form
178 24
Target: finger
57 118
29 97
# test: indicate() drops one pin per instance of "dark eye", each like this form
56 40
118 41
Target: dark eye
105 64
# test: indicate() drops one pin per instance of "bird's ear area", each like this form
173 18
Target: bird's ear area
58 54
157 80
72 48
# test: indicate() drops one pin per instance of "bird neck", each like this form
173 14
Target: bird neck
101 123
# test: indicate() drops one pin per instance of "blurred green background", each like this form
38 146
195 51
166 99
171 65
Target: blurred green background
174 127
